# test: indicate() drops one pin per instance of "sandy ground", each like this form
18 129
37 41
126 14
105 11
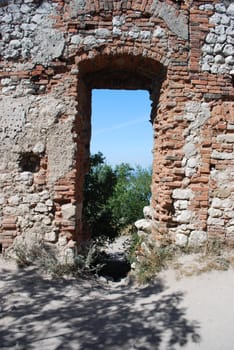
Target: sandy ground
194 312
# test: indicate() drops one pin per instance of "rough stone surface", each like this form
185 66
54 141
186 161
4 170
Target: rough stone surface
219 40
144 225
197 238
181 240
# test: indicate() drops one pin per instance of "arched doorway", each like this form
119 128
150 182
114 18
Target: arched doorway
127 72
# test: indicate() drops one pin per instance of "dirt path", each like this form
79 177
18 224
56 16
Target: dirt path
192 313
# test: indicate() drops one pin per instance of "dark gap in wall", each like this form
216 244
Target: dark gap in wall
29 162
0 248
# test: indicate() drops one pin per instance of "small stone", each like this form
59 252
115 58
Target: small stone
145 34
216 18
2 199
225 20
62 241
39 148
230 10
230 230
215 222
184 217
15 44
193 162
25 8
6 82
189 149
222 193
69 256
229 214
215 213
220 8
226 138
181 240
206 7
44 8
219 59
218 49
46 221
189 172
14 200
116 31
90 41
222 38
49 203
144 225
68 211
182 194
228 50
118 20
222 155
216 203
159 32
41 208
209 58
215 68
7 18
208 49
197 238
76 39
26 176
181 204
37 19
50 237
45 195
102 33
148 212
220 30
133 34
206 67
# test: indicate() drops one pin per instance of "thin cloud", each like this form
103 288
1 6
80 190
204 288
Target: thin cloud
120 126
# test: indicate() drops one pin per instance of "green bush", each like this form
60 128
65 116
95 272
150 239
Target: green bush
113 198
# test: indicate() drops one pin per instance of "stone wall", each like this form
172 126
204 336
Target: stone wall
53 53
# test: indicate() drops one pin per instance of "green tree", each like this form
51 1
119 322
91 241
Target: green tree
114 198
131 193
98 188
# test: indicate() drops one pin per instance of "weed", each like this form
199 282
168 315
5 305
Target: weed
45 258
148 258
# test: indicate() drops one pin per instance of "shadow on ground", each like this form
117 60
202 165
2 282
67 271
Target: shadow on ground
37 313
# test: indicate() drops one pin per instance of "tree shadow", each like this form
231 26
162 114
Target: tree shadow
38 313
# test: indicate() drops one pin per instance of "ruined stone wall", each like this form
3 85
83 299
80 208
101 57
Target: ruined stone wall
53 53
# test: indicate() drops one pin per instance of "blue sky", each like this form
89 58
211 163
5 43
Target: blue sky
120 126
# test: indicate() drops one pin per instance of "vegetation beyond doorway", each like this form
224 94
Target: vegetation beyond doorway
114 197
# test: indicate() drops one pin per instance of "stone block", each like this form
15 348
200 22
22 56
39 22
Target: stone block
181 240
181 204
50 237
68 211
197 238
182 194
185 217
144 225
215 213
148 212
41 208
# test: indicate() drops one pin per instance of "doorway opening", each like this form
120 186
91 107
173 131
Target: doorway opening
121 130
134 73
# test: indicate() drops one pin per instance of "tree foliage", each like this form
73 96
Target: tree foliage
114 197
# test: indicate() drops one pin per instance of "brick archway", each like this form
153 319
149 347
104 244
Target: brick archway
121 71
